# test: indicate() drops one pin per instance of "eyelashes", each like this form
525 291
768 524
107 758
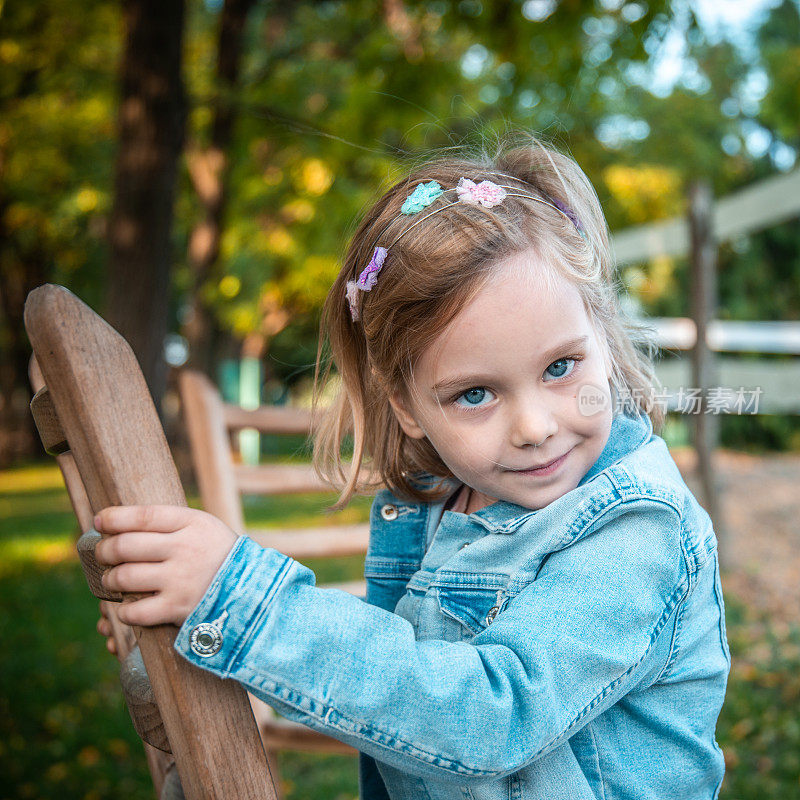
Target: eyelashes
479 393
476 393
576 359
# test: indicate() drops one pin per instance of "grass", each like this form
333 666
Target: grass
65 732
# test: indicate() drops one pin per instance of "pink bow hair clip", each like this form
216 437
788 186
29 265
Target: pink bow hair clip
485 193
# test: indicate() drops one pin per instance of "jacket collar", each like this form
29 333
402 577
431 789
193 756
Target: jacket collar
626 435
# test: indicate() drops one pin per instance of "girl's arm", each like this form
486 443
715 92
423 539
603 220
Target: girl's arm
567 647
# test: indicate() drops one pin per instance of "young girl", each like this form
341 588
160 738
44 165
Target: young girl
544 617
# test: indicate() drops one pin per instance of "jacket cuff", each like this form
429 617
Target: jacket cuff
224 619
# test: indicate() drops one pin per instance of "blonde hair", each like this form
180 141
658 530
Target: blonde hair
428 275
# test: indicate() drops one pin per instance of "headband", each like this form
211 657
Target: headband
485 193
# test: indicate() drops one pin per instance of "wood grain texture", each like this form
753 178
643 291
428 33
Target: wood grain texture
209 423
272 479
121 453
268 419
141 701
50 431
301 543
201 405
122 635
92 570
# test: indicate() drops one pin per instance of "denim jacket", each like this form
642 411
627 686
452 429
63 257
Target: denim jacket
576 651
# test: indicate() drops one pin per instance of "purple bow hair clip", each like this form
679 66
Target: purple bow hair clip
568 213
365 281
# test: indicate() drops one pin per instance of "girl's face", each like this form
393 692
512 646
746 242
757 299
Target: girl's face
520 365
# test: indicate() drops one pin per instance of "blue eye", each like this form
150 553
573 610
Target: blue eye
561 367
474 397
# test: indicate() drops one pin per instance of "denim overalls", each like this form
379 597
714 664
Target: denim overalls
573 652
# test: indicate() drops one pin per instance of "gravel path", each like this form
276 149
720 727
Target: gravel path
760 501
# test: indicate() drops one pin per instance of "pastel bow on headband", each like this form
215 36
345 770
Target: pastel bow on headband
486 193
366 280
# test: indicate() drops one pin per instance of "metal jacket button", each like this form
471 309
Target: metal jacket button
389 512
205 639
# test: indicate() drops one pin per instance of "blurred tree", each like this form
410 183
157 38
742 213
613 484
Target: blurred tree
151 133
56 136
332 101
208 167
389 83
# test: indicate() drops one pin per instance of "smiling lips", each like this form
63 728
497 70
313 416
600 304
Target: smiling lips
545 469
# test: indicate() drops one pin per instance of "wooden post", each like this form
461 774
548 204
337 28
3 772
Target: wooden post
703 302
108 418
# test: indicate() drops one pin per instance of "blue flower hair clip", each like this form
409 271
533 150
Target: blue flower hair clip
421 197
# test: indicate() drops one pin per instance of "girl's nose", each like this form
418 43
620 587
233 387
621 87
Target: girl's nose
532 423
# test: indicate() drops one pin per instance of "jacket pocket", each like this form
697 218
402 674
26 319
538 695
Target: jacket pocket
472 608
386 580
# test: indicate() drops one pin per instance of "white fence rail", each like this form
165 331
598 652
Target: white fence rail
766 203
763 386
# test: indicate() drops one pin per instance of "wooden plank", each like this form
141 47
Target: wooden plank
769 202
703 302
770 386
204 415
358 588
279 733
762 205
300 543
158 763
209 423
141 701
46 419
734 336
119 447
268 419
270 479
644 242
92 570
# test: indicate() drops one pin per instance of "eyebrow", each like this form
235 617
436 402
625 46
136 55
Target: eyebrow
474 380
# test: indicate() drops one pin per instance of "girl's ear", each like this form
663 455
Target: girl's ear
405 418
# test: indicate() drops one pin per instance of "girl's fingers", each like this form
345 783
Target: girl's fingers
103 627
134 577
157 519
133 546
147 611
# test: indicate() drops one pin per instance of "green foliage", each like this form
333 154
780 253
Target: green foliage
758 728
64 730
337 100
65 733
57 109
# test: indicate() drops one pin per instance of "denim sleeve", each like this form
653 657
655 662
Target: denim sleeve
371 785
567 647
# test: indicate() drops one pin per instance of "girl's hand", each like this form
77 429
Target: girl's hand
171 551
104 628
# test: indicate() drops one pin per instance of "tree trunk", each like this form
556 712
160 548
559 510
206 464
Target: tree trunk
208 168
151 131
19 273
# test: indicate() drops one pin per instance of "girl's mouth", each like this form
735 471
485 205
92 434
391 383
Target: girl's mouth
546 469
